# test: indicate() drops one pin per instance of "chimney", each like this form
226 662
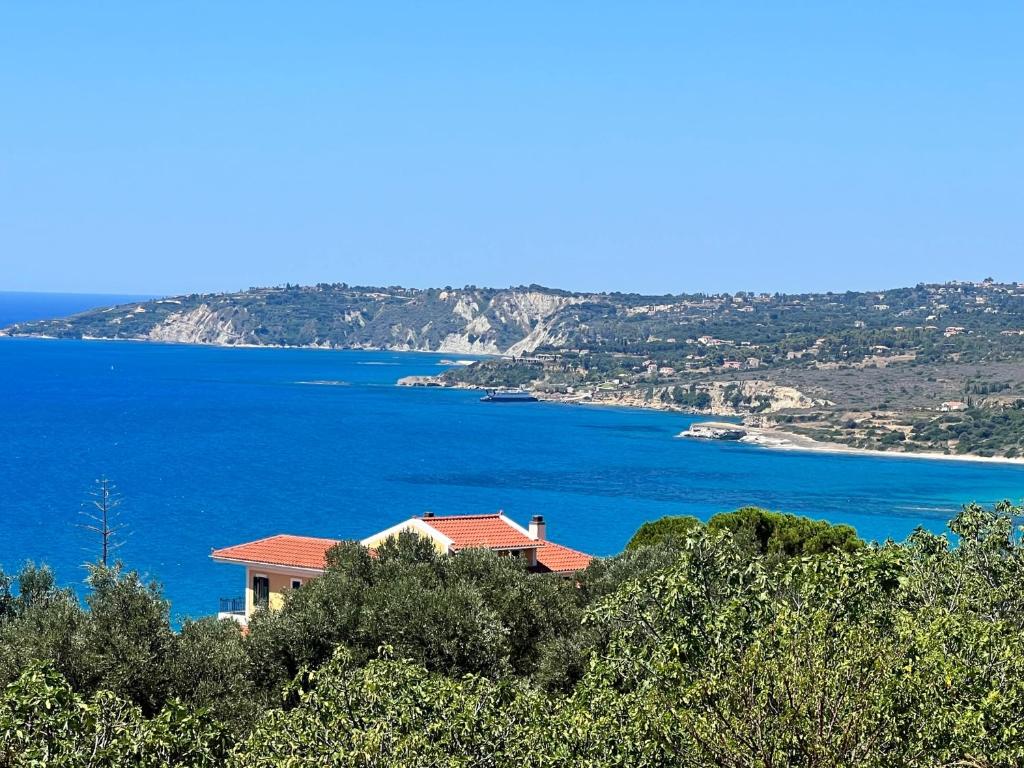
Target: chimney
538 528
427 514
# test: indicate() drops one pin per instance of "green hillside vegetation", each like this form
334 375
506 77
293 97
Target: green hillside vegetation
778 329
989 430
758 640
980 431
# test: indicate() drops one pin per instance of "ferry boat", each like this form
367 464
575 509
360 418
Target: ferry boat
508 396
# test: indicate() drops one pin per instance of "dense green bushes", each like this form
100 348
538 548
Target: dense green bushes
475 613
761 640
44 722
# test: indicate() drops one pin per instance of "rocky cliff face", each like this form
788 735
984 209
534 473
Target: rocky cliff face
529 315
757 396
204 325
466 321
728 398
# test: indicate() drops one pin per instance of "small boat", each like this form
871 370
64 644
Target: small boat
508 396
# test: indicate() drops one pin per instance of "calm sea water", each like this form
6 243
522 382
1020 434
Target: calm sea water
212 447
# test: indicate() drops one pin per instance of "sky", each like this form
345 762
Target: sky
162 148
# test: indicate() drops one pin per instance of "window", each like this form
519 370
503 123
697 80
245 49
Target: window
296 583
260 591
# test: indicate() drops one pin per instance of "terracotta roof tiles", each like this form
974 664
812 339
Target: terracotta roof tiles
493 531
283 549
554 558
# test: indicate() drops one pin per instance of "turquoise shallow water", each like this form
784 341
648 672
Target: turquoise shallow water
217 446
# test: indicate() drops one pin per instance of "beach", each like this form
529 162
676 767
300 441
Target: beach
781 440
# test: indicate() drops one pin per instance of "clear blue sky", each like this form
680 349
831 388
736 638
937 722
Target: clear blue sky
161 148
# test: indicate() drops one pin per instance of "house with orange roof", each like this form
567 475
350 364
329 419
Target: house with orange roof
283 562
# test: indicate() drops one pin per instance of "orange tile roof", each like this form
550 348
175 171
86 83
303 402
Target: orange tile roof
555 558
492 531
283 549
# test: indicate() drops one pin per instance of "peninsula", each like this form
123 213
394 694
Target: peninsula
935 368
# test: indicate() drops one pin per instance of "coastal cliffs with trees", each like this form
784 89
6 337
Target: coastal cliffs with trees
465 320
932 368
757 639
976 322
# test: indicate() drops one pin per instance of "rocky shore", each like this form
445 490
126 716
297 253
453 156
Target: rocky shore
659 398
620 399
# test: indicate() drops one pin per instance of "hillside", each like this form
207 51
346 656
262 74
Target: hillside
470 320
928 368
956 321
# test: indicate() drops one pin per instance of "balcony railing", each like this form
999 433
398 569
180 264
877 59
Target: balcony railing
232 605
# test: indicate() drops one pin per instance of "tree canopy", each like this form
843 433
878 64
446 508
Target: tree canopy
758 640
762 532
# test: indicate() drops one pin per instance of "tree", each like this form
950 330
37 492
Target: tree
673 527
776 534
127 637
760 531
395 713
103 521
44 721
757 641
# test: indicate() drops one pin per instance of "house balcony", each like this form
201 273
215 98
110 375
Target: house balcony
232 608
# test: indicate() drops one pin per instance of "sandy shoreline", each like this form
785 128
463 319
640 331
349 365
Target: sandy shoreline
761 437
775 439
780 440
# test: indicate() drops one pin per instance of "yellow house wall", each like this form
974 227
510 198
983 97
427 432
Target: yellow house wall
380 538
280 583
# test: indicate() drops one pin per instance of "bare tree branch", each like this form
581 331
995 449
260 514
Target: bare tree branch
106 500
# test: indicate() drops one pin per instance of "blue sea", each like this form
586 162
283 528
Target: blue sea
19 307
211 447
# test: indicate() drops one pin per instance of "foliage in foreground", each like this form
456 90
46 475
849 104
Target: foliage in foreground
699 652
44 722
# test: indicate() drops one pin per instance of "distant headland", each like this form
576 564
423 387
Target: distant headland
935 368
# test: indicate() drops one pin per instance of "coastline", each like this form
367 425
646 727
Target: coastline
776 439
760 437
780 440
218 345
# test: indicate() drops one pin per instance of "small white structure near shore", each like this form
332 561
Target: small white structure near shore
714 431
